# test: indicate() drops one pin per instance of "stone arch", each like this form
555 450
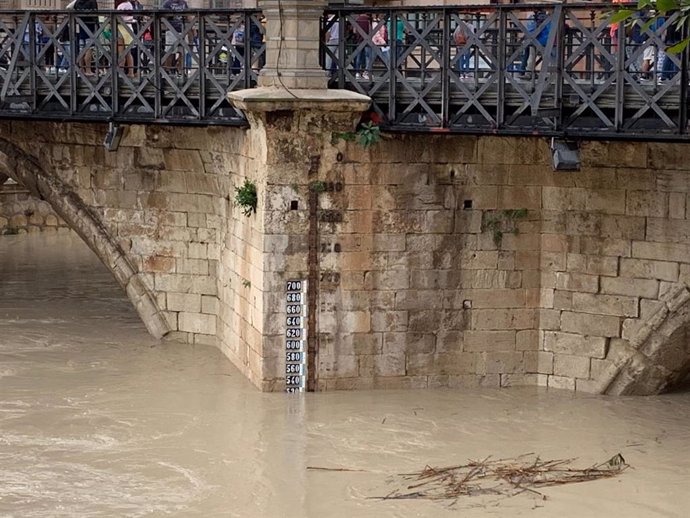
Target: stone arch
657 356
25 169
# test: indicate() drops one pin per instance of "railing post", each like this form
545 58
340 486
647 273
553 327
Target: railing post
561 36
620 78
201 50
342 54
292 44
683 101
157 65
31 59
114 21
73 53
445 76
502 49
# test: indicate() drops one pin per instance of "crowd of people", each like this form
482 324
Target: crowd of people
90 40
370 40
367 39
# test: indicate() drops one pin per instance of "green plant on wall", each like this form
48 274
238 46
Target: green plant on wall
366 136
347 136
503 222
317 186
246 197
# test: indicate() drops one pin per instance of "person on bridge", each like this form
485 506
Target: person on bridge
174 38
125 29
332 43
396 32
237 41
86 35
460 36
669 66
380 39
539 24
363 58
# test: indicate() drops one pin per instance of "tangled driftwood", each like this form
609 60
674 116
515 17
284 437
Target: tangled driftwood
505 477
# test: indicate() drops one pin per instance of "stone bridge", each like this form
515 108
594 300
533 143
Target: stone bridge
442 260
432 260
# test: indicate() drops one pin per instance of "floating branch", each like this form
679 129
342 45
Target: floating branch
319 468
505 477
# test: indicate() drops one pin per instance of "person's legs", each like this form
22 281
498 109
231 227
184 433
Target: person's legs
63 58
237 60
367 62
171 45
525 59
49 53
360 61
668 69
465 62
85 42
531 62
124 58
330 61
399 52
124 55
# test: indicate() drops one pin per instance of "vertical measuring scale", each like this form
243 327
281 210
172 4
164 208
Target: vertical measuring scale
295 336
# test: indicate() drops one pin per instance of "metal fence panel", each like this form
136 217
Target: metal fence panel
138 66
516 69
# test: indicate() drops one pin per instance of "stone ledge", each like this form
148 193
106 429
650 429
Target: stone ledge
269 99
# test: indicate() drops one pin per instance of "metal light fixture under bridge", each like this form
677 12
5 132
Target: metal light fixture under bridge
565 155
112 138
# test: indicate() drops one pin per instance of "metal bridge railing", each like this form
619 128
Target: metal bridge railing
514 69
138 66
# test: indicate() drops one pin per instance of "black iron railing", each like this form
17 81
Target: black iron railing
515 69
139 66
525 69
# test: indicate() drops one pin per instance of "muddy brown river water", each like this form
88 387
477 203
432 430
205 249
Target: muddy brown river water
97 419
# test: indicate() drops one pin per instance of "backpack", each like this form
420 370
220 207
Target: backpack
380 37
539 18
255 35
459 36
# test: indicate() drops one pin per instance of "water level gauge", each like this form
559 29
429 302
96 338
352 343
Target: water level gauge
295 336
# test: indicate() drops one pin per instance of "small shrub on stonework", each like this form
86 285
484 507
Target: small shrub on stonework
246 198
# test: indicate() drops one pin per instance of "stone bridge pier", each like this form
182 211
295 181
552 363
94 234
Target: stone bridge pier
442 260
433 260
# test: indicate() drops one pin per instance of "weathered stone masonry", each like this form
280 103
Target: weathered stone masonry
415 288
22 213
590 294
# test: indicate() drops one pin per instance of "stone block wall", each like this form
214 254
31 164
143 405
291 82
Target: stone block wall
433 276
21 213
160 200
436 260
265 250
420 290
240 281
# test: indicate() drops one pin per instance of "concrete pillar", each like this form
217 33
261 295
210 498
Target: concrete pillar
292 44
293 116
291 146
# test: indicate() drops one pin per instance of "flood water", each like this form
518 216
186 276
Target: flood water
99 419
